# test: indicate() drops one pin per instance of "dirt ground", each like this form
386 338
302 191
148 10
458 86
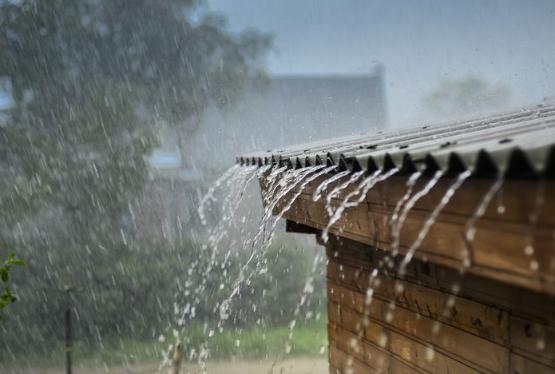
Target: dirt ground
290 366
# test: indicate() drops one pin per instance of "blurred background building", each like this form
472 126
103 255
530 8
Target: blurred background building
281 111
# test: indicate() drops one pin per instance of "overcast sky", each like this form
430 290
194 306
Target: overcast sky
419 43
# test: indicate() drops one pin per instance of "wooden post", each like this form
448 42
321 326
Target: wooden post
177 358
68 335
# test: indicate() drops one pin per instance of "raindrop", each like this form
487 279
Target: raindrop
529 250
430 353
534 265
382 340
540 344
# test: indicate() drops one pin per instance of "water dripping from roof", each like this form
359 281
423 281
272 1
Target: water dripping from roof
410 186
467 254
470 228
209 196
431 220
324 185
318 172
408 206
361 191
338 189
289 180
232 185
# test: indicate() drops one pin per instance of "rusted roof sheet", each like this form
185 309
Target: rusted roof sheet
518 145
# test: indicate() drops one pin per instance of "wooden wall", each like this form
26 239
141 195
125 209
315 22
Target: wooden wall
492 327
502 235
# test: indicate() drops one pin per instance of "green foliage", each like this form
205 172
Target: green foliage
133 298
88 80
254 343
7 296
258 343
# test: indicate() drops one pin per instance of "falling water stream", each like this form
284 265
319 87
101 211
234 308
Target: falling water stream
410 186
431 220
373 278
324 185
408 206
284 186
294 177
233 183
288 206
337 190
361 191
470 229
209 196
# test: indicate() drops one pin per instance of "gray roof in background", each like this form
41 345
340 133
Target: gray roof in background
519 144
290 109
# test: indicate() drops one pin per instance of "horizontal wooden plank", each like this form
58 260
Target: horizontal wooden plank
498 250
479 319
366 353
514 202
453 341
519 302
524 365
534 340
347 364
522 321
420 355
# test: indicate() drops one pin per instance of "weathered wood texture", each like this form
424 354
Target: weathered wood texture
519 216
491 327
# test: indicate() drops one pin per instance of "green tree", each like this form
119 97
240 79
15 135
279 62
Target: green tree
7 296
86 81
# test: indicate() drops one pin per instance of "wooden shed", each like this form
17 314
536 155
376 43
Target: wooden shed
440 242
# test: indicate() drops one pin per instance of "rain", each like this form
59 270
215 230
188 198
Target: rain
208 186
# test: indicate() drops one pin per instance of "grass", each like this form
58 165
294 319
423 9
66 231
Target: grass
308 340
256 343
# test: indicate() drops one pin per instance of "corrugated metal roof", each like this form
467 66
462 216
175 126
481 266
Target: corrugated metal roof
518 144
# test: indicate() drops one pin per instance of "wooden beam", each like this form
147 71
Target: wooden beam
514 241
292 226
501 329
